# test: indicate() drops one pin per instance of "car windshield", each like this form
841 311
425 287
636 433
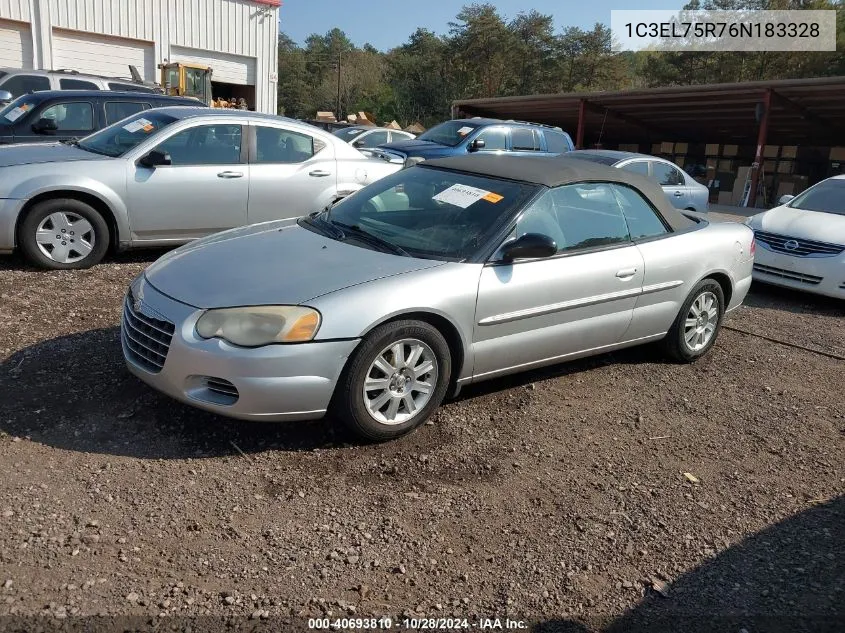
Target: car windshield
827 196
427 212
16 110
119 138
450 133
348 133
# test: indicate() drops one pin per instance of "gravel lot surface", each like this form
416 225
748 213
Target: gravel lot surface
622 492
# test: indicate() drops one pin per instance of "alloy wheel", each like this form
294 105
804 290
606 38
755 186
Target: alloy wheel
701 322
400 381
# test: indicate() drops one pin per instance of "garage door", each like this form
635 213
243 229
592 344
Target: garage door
99 55
230 69
15 45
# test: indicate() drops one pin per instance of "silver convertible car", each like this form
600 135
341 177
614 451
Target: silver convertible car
443 274
166 176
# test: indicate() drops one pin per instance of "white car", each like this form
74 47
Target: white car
802 241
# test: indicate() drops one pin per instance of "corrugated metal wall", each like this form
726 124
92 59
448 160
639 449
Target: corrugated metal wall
238 27
15 10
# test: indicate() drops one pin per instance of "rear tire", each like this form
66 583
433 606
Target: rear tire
63 234
395 380
697 325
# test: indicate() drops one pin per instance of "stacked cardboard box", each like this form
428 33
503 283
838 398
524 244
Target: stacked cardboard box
711 149
771 151
837 154
789 151
629 147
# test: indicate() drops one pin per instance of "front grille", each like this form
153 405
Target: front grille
222 387
146 339
803 278
800 248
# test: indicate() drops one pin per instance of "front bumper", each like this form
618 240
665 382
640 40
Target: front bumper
819 275
271 383
9 211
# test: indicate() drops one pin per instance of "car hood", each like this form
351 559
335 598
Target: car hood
808 225
274 263
32 153
416 147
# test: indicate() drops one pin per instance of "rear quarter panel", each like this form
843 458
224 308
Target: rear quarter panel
717 249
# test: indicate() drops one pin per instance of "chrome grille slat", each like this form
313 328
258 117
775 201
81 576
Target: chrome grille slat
140 320
146 340
149 349
805 278
805 248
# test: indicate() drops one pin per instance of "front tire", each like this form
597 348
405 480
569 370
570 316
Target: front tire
697 325
63 234
396 379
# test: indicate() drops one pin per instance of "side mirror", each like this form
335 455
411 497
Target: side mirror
155 159
785 199
358 142
477 144
6 97
529 246
42 126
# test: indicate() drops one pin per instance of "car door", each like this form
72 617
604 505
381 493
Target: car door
204 190
291 173
538 311
671 263
526 140
73 119
495 139
636 167
118 110
673 182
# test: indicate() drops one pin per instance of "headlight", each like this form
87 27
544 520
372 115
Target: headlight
260 325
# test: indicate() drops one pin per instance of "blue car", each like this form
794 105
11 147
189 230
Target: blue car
464 136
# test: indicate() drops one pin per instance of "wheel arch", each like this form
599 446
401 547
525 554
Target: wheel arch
447 329
94 201
724 280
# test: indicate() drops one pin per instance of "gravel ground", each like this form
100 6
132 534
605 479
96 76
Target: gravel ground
617 493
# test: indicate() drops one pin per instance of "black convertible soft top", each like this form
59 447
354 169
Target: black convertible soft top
554 171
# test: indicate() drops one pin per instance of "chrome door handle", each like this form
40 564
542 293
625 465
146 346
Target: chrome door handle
626 273
678 194
230 174
319 173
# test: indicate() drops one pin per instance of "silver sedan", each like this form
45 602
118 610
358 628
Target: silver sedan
441 275
681 189
167 176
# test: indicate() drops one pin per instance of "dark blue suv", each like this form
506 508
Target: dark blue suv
463 136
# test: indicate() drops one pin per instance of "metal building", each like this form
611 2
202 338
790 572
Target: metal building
237 38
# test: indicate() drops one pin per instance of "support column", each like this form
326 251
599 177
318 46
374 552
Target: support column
579 135
761 143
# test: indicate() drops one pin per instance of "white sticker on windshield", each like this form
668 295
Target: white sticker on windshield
465 130
461 195
16 113
139 124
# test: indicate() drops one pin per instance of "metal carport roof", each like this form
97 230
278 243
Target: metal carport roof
802 112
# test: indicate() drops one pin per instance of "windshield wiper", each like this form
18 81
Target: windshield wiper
323 226
364 236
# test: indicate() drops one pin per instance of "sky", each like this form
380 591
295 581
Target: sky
388 23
